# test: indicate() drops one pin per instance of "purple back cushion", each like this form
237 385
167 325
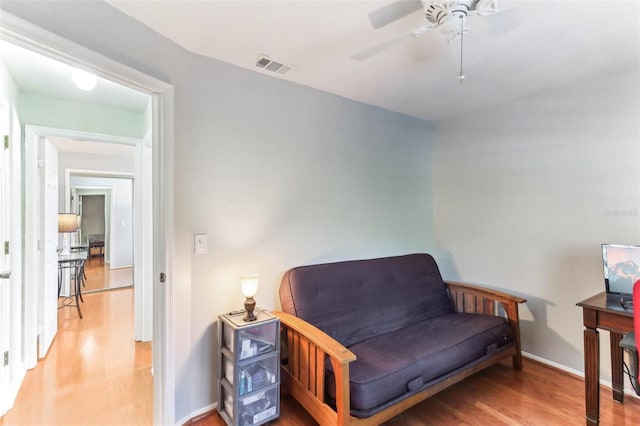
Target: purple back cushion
355 300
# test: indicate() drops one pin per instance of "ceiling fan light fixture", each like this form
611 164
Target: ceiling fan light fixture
455 27
84 80
445 14
450 16
486 7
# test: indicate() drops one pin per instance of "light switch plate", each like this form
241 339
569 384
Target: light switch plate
200 245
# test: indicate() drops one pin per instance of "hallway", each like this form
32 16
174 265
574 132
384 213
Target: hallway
100 277
94 374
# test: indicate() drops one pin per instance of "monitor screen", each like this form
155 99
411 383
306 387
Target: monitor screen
621 267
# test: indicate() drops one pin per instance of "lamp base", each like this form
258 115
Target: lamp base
66 246
249 306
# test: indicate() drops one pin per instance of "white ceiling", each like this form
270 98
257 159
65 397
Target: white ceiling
529 47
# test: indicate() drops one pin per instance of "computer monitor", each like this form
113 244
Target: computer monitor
621 268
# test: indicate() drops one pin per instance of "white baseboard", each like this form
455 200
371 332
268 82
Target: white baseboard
52 330
578 373
554 364
197 413
121 267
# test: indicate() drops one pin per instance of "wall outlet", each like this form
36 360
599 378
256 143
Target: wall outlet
200 245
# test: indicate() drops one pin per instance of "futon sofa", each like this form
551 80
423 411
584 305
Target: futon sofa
363 340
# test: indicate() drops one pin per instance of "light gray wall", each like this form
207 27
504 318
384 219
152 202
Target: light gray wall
93 219
276 174
525 193
87 161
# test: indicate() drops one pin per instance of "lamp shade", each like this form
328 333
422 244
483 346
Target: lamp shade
249 284
68 222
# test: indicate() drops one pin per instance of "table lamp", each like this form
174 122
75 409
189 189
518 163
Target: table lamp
249 286
67 222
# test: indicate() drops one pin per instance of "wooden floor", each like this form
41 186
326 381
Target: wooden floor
101 277
539 396
94 374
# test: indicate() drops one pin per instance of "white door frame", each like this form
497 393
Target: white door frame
22 33
138 260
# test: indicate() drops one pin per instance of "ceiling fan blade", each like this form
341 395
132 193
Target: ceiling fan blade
502 22
379 48
392 12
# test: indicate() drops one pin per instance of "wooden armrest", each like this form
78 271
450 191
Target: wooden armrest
477 290
319 338
307 347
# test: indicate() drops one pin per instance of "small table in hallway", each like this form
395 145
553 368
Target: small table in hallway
75 262
605 313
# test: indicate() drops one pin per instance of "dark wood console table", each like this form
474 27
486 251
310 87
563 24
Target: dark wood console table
98 244
605 313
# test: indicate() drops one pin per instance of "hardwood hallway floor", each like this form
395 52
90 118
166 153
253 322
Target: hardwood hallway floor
94 373
102 277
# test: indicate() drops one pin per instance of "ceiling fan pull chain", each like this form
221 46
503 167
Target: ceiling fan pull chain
461 75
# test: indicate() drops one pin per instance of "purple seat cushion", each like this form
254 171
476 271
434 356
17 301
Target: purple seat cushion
399 363
356 300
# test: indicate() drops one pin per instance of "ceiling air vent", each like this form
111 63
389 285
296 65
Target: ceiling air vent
265 63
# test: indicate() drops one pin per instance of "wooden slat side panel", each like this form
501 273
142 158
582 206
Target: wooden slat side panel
469 303
479 308
458 301
290 340
294 356
306 363
306 360
319 361
313 350
485 292
489 307
303 360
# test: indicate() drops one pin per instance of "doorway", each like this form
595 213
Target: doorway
91 209
159 151
105 205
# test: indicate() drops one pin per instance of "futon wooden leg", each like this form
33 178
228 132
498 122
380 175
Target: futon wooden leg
517 361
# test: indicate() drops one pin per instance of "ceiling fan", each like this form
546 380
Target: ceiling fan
448 16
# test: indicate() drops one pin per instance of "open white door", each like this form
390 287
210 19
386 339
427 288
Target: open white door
143 242
48 322
5 280
11 358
